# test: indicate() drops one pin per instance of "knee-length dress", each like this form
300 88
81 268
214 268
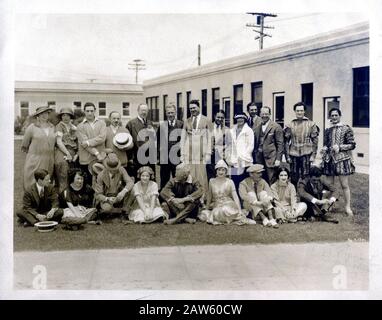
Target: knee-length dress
137 214
39 144
341 163
224 209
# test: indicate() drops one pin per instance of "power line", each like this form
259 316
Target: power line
260 24
137 66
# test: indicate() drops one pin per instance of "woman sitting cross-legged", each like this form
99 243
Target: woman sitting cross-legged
223 204
257 196
77 198
285 198
146 207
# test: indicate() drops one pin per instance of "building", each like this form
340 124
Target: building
107 97
324 71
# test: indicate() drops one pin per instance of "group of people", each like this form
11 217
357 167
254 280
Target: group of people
207 170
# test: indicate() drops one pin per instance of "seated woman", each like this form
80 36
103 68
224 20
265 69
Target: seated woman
77 198
223 204
285 197
146 207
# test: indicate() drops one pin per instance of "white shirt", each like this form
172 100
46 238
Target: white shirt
265 126
114 129
141 119
39 188
197 120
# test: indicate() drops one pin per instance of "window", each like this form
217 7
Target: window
165 101
152 103
188 98
361 97
24 108
204 102
215 100
125 109
238 98
179 105
52 104
278 107
307 98
102 109
257 94
77 104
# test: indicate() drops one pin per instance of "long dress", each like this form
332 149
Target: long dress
224 209
69 139
137 215
39 144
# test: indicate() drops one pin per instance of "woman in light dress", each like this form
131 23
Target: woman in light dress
146 207
39 142
223 204
285 198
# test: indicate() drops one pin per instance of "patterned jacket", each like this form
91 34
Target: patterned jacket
341 135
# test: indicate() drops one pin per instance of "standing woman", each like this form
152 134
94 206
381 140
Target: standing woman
39 141
67 147
337 156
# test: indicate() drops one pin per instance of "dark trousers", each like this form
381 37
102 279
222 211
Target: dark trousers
190 211
270 172
238 175
166 170
299 168
26 216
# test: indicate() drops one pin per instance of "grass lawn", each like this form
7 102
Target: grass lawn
116 235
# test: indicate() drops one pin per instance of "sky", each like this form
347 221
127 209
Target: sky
99 47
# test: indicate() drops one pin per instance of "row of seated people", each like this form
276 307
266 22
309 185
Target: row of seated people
183 199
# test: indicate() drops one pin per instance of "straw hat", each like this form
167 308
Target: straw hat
40 110
123 141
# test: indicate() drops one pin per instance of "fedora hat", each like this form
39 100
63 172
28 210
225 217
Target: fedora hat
221 164
255 168
112 162
40 110
66 110
123 141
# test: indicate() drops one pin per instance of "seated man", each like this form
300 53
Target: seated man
112 186
317 195
257 196
40 201
182 196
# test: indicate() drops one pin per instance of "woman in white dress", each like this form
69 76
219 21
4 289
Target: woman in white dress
146 207
223 204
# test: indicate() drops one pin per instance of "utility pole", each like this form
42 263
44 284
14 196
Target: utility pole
137 66
260 24
199 53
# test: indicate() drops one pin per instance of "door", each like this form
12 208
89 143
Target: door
278 108
227 110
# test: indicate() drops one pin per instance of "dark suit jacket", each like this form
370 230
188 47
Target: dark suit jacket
307 193
135 126
164 144
273 145
255 124
33 204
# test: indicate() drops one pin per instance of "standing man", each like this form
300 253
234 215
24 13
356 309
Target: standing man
301 142
196 143
219 136
253 121
91 135
118 138
143 133
269 144
168 143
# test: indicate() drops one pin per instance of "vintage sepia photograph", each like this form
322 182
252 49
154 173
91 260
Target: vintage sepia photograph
184 151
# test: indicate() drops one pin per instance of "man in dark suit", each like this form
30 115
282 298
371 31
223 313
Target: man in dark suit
253 121
40 201
143 133
317 194
168 144
269 144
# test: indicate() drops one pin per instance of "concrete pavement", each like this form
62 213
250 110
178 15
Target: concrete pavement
312 266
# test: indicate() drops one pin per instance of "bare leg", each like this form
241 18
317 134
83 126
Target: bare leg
344 181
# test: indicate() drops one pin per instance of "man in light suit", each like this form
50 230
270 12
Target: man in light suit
269 144
144 137
168 144
196 143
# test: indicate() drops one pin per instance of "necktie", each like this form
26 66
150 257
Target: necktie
194 123
41 192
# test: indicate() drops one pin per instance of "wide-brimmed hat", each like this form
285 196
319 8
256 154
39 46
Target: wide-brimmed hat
255 168
241 116
123 140
221 164
40 110
112 162
66 110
